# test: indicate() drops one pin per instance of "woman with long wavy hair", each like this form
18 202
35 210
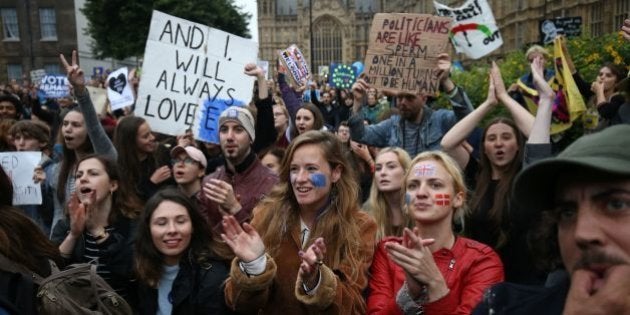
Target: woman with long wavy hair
385 203
314 246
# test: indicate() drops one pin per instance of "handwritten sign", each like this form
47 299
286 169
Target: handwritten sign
295 63
118 89
55 86
98 97
264 64
188 68
403 49
474 31
37 75
20 166
569 26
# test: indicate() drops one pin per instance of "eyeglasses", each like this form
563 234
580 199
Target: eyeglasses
186 161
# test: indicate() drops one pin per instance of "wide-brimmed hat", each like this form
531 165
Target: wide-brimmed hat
605 153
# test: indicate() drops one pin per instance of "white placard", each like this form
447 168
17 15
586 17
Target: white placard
474 31
119 89
98 97
20 167
191 72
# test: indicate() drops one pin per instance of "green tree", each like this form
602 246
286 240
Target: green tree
120 27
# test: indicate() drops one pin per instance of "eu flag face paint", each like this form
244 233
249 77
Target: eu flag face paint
318 180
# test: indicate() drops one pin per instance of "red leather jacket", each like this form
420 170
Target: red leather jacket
469 268
251 182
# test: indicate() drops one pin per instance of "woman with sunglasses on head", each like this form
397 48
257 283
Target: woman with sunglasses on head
314 246
431 270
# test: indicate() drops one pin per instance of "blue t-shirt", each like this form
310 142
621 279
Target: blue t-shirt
165 305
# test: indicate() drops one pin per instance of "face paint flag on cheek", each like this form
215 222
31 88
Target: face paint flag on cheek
318 180
442 199
424 170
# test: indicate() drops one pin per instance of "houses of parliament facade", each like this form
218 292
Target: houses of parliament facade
340 28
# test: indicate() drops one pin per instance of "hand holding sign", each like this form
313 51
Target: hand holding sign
76 76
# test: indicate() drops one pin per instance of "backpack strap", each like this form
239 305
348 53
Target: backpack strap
93 279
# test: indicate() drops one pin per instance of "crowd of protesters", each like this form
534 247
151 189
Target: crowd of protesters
358 202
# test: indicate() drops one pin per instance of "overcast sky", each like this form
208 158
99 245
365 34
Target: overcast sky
249 6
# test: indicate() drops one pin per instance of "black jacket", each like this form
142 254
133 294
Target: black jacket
197 289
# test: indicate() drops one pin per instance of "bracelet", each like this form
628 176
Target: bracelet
407 304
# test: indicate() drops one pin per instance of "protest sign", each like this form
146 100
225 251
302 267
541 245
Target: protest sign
403 49
342 76
54 86
264 65
98 97
569 26
188 69
37 75
293 59
20 167
118 89
474 31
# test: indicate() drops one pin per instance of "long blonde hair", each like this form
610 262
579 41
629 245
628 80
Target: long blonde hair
452 168
377 205
337 225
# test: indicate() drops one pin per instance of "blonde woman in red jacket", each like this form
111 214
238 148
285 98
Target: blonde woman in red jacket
430 269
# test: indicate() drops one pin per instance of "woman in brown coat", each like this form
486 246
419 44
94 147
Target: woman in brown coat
315 245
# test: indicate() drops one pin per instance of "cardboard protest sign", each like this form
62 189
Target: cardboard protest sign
20 167
55 86
474 31
188 70
403 49
295 63
37 75
342 77
98 97
119 89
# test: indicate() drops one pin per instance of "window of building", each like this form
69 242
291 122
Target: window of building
286 7
48 23
597 20
10 25
52 68
14 71
327 42
622 12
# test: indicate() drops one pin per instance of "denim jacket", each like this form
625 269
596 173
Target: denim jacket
435 123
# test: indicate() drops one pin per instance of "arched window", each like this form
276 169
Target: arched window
327 42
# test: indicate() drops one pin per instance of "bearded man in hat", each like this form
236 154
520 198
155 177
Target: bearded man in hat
236 187
583 199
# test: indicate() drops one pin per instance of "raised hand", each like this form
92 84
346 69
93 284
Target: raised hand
499 86
222 193
252 70
78 215
161 174
75 74
415 257
312 258
491 99
625 29
538 69
244 241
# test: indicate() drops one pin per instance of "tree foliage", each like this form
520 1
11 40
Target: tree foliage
120 27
